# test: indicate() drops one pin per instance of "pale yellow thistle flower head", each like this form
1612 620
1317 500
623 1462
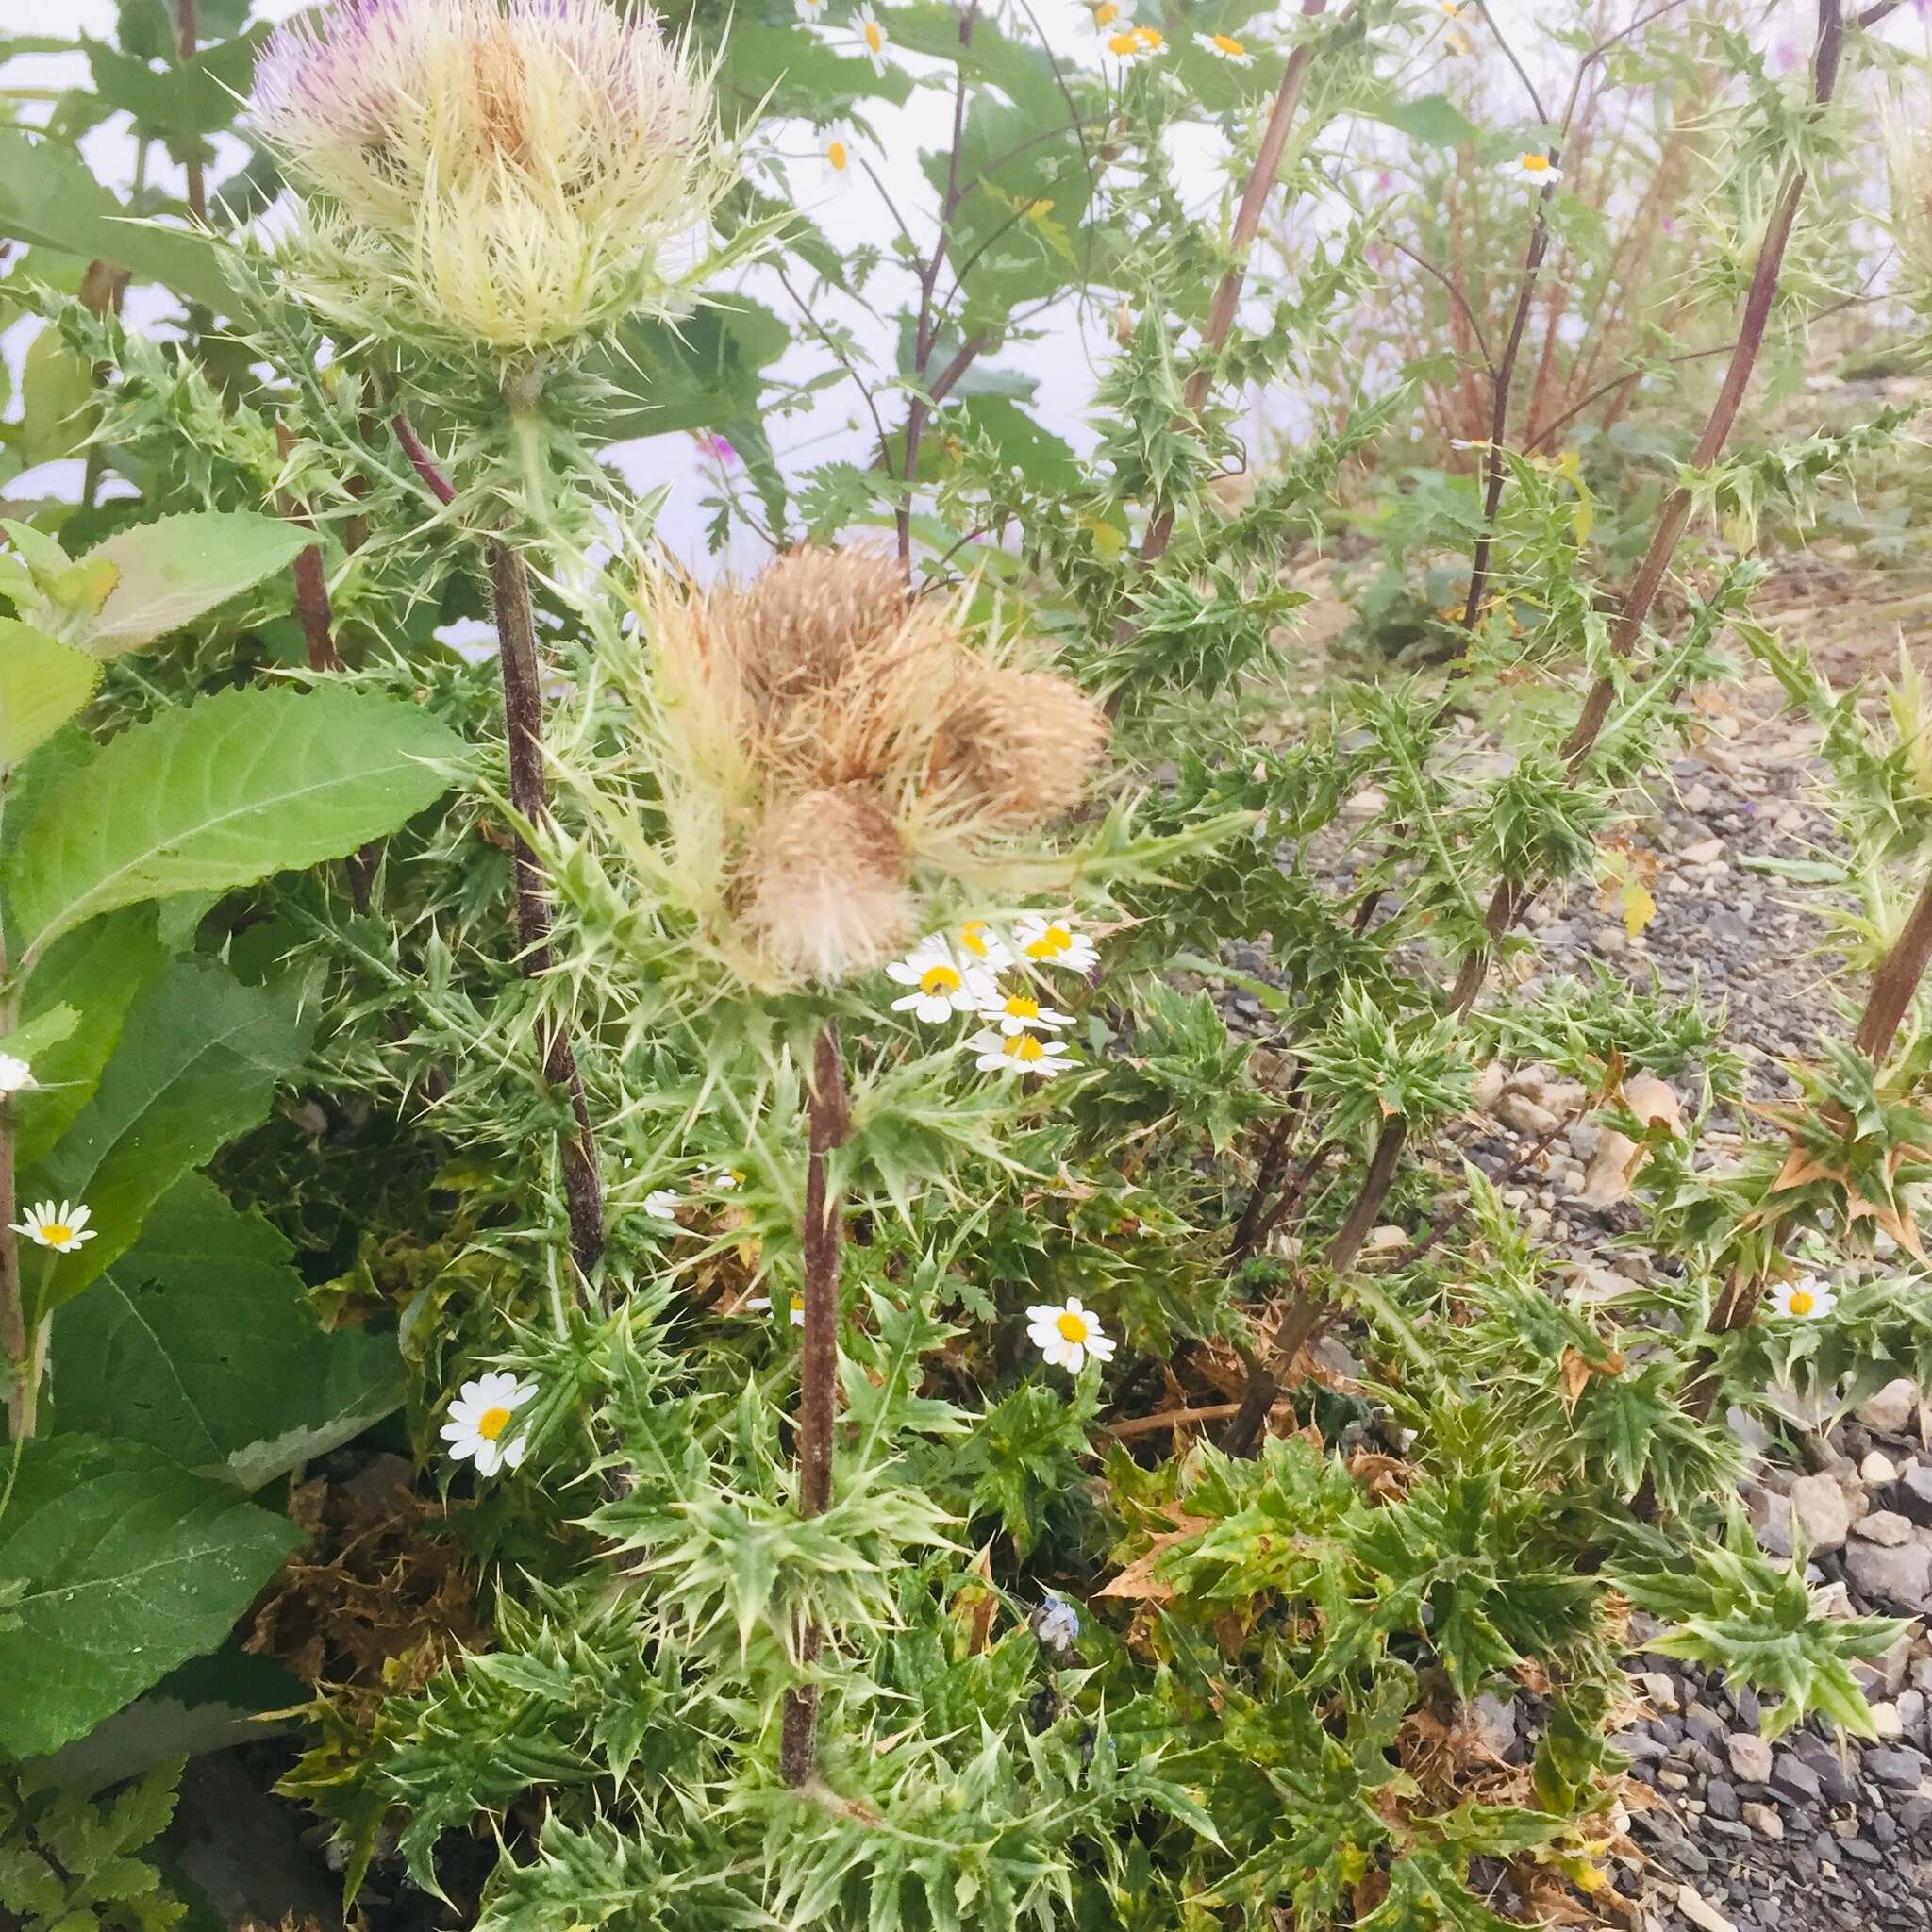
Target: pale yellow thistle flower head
513 174
830 754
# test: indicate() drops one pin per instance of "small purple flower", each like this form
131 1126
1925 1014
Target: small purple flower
717 447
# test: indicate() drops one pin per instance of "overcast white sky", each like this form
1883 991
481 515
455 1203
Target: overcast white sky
1062 362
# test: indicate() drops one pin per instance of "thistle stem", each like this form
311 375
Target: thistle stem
827 1122
522 706
198 179
15 1349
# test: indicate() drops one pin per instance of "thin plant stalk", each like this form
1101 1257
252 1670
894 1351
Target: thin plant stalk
198 179
827 1123
522 703
15 1348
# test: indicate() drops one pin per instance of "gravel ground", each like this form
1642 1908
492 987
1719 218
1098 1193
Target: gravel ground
1814 1832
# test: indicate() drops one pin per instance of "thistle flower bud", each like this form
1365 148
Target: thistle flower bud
506 174
825 884
1021 743
798 625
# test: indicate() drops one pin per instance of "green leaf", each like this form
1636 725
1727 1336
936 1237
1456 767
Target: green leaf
117 1564
221 793
48 197
96 975
184 99
41 685
56 388
1432 118
167 573
198 1061
200 1343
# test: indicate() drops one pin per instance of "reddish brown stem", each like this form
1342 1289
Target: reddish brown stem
827 1123
198 179
1247 225
1896 983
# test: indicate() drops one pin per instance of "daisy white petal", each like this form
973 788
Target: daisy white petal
1066 1335
942 985
1226 48
977 944
16 1077
63 1228
1807 1299
1056 942
479 1417
661 1204
1019 1013
872 36
811 11
1534 168
835 156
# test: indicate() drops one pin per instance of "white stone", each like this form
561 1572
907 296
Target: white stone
1821 1511
1886 1723
1703 852
1877 1470
1886 1527
1700 1911
1890 1411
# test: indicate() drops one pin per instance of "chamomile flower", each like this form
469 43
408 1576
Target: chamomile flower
835 156
1111 16
62 1228
977 944
1469 442
479 1417
940 985
1132 43
16 1077
1226 48
872 36
1019 1013
798 1311
811 11
1055 942
728 1180
1151 39
1067 1335
1533 168
1449 10
661 1204
1018 1053
1805 1299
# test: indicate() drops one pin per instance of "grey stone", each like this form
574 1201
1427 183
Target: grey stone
1884 1526
1915 1817
1789 1773
1900 1770
1492 1724
1750 1757
1884 1675
1912 1492
1823 1511
1771 1517
1721 1795
1890 1411
1901 1575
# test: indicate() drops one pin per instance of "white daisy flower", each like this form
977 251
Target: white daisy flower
1015 1012
1067 1336
661 1204
1132 43
872 36
1055 942
62 1228
16 1077
977 944
728 1180
1019 1053
811 11
1449 10
1533 168
479 1416
1805 1299
1226 48
798 1311
835 156
1469 442
940 985
1111 16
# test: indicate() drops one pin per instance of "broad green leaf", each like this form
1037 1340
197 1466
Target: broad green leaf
115 1565
45 1030
48 197
209 1703
185 98
221 793
1433 118
42 684
200 1343
167 573
56 388
197 1063
95 974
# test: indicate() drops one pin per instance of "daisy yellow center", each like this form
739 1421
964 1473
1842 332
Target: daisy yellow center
875 35
798 1304
1054 941
1022 1007
1127 42
939 979
972 937
835 155
1803 1301
1533 164
1106 14
493 1422
55 1232
1072 1325
1151 38
1023 1046
1226 43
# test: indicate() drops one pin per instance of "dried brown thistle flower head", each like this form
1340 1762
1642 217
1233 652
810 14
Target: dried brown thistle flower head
823 884
1021 743
822 742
